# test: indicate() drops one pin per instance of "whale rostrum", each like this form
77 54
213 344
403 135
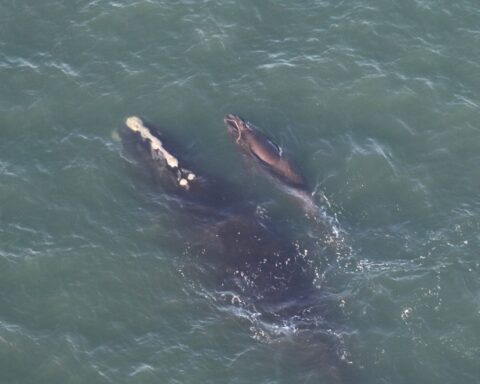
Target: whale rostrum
184 176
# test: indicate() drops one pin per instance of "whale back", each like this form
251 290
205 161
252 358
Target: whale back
269 154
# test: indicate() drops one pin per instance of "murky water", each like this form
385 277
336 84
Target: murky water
101 270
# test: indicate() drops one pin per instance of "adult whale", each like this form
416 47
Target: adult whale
238 257
247 253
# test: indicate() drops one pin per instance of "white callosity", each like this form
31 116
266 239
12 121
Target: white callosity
136 124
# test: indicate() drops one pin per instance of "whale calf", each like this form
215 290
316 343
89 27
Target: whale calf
273 160
269 154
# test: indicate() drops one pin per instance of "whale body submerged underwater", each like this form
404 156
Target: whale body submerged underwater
249 260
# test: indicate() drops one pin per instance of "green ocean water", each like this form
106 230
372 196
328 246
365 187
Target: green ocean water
378 104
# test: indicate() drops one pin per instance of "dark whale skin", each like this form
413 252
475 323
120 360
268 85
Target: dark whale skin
236 253
265 151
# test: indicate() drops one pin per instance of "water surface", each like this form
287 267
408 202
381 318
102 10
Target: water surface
378 103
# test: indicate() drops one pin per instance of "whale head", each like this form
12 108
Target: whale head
236 126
